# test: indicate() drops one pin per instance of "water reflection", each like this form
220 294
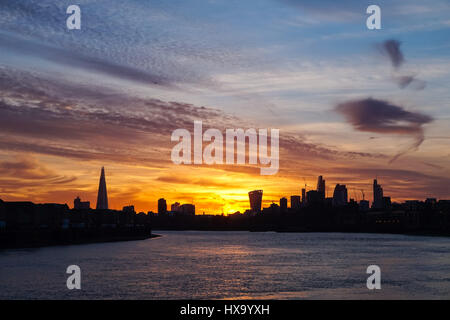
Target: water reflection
234 265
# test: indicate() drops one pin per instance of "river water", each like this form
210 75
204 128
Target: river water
234 265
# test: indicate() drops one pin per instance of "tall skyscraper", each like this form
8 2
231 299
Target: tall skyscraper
321 187
340 195
303 195
295 202
255 198
102 197
162 206
378 202
283 204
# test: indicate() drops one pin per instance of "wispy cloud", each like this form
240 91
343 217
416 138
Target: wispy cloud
410 80
52 117
27 171
74 60
391 49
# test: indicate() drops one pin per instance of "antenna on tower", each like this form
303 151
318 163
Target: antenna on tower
363 195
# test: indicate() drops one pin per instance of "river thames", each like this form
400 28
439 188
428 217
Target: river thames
234 265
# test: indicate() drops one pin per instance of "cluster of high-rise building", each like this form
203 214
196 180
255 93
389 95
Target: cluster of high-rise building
318 196
315 197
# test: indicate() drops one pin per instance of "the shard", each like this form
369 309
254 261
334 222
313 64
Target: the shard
102 197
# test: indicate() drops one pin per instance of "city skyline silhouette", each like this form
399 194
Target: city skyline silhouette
340 197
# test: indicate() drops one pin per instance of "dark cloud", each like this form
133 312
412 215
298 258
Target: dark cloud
371 115
391 48
380 116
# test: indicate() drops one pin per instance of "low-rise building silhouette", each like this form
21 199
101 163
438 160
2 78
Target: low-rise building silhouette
78 204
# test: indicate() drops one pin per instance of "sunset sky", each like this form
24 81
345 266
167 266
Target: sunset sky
351 104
